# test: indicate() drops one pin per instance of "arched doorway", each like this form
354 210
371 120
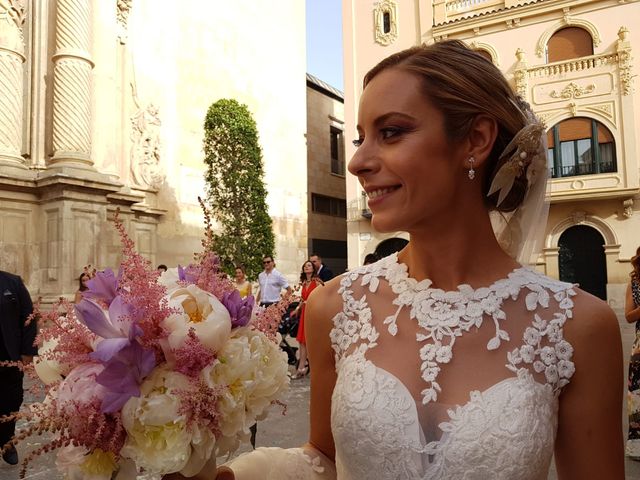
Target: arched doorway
581 259
389 246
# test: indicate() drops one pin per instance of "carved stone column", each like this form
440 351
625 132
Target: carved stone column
72 85
12 16
520 74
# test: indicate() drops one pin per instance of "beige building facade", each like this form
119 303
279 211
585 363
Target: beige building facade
327 230
103 104
573 61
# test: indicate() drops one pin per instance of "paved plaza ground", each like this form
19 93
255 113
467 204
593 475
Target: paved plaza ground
277 430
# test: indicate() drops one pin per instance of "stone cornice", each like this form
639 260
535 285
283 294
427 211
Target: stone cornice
513 17
592 194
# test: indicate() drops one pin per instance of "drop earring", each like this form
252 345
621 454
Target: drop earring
472 172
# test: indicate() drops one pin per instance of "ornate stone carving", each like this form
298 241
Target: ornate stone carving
627 206
520 74
603 108
546 116
145 147
385 17
72 84
624 60
573 109
14 13
578 217
572 90
123 8
513 22
12 18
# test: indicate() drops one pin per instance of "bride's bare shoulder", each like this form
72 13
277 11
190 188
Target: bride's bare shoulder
594 323
325 301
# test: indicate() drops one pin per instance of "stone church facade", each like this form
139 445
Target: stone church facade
102 104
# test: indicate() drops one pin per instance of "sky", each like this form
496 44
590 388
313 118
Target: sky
324 41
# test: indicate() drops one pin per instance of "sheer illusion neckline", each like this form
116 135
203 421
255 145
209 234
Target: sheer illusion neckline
401 276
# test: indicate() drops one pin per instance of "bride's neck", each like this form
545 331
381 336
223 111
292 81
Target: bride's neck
455 253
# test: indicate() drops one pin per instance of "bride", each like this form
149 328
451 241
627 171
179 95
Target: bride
449 360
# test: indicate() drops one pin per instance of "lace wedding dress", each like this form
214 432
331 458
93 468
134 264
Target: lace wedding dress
439 385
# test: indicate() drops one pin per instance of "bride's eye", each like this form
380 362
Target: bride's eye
390 132
357 142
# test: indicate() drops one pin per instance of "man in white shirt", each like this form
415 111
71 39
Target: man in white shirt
271 283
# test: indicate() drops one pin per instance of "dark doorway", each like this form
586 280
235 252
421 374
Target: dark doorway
581 259
389 246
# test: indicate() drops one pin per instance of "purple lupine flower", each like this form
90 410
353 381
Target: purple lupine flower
117 324
239 308
123 374
103 286
186 274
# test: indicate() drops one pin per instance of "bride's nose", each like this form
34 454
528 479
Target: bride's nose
364 161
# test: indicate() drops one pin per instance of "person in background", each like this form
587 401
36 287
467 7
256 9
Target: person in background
370 258
271 283
242 284
162 268
323 272
82 286
88 272
308 281
16 344
632 315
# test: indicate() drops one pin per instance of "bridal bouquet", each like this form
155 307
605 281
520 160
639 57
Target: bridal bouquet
154 375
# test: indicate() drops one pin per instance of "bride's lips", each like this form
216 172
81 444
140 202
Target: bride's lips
378 194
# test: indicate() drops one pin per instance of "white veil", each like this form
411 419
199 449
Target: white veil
521 232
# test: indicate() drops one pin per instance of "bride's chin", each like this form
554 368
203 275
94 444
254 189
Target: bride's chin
384 223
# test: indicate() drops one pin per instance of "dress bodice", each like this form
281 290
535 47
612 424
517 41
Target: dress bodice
448 385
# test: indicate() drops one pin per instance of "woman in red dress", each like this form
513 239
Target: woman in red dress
308 281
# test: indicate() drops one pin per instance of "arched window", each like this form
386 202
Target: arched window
580 146
567 43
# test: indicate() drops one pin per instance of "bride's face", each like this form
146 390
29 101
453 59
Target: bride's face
404 162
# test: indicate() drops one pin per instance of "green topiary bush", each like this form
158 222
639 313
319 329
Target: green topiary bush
235 187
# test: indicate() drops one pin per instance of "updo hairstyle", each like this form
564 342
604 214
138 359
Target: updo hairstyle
463 84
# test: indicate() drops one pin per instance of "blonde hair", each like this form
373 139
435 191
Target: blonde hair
463 84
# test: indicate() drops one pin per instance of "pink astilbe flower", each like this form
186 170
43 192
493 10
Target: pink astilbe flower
268 319
73 338
140 289
192 356
200 405
92 428
206 275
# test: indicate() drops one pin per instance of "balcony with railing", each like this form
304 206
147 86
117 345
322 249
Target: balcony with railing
582 169
358 209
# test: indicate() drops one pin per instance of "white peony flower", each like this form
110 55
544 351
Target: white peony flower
76 463
49 371
255 371
170 279
158 438
201 311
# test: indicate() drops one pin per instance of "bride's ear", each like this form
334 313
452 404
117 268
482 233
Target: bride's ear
482 136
